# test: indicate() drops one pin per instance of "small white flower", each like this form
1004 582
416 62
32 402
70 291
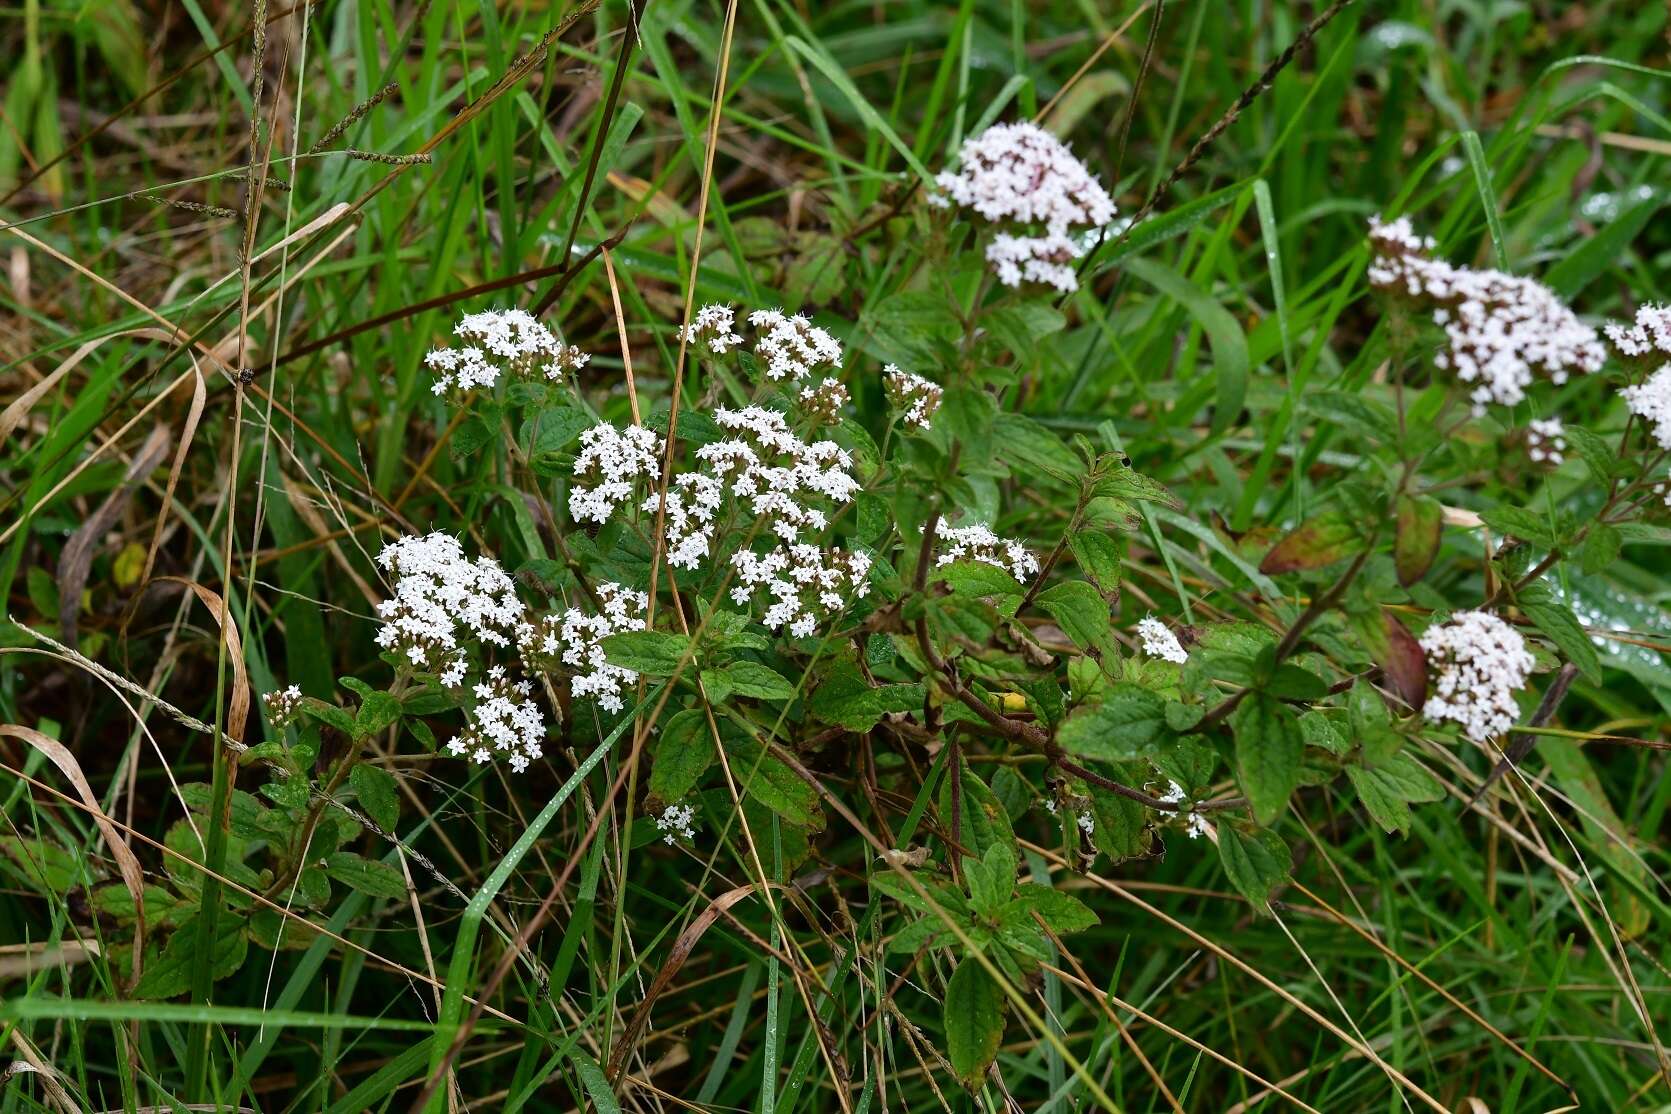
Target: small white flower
442 599
792 347
283 707
607 468
571 642
979 543
916 397
1501 330
1479 662
1650 333
501 341
676 821
1546 441
1651 401
1159 641
1195 824
711 328
505 723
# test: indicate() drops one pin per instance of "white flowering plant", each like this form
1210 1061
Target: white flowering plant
870 600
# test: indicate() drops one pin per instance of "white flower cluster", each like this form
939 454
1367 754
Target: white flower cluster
803 581
711 328
1159 641
572 641
821 404
503 722
1651 401
917 398
1479 662
979 543
1083 817
441 600
1546 441
1195 824
1501 329
283 707
677 821
1021 174
606 469
501 342
1649 334
792 347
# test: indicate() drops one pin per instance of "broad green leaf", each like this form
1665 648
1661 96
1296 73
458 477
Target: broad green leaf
982 820
1256 862
1269 747
375 789
1555 619
653 653
365 876
1386 789
1315 543
378 712
845 698
974 1017
682 753
1123 828
977 578
1129 718
1420 520
746 678
1080 611
1099 557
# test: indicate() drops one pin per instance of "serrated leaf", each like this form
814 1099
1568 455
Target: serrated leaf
1520 523
1080 611
1387 788
845 698
375 789
1118 729
362 875
469 438
1020 441
682 753
169 975
769 781
1420 523
1256 862
1269 748
1555 619
1122 828
330 714
983 822
977 578
974 1018
1063 912
378 711
650 652
1315 543
748 678
1099 557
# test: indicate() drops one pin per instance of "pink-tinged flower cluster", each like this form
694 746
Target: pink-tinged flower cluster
1024 179
1502 331
1478 662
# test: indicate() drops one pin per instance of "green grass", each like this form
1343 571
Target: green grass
1494 954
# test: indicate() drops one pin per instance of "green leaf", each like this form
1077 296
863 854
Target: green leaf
550 431
1315 543
169 975
1099 557
1029 447
769 781
1555 619
1129 718
974 1017
1121 482
683 751
1123 828
1063 912
1230 354
375 789
378 712
1019 326
1080 611
977 578
1269 746
1601 458
983 821
1600 548
846 699
991 878
653 653
1420 520
365 876
469 438
1521 523
329 714
747 678
1256 862
1386 788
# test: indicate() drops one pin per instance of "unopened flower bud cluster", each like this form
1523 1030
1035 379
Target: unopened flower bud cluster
913 396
